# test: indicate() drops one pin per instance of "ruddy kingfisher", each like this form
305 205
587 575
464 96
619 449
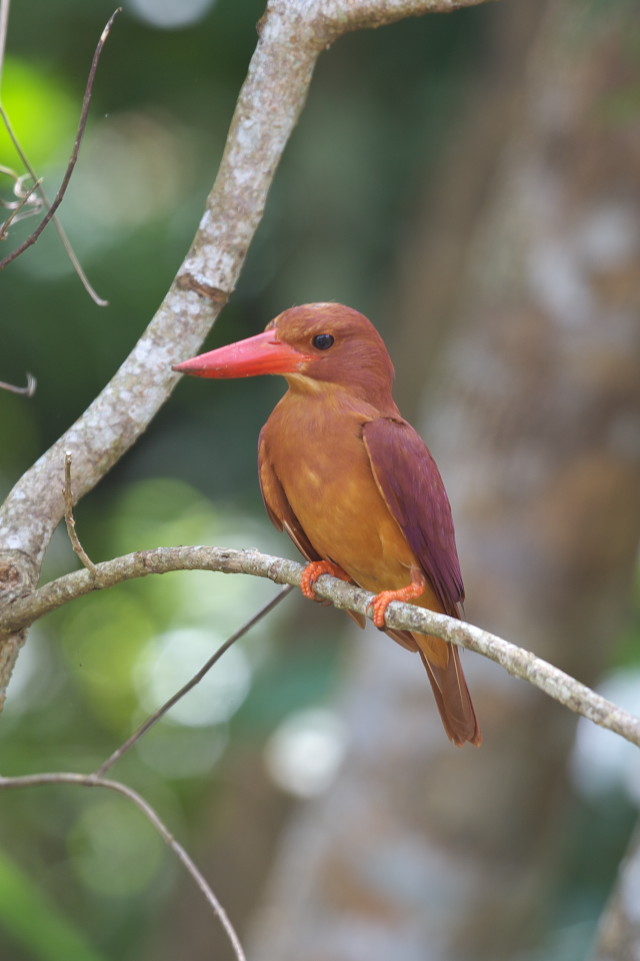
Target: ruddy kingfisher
351 482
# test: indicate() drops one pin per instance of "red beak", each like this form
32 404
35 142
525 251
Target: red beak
262 354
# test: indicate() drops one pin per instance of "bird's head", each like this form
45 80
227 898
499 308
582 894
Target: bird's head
311 345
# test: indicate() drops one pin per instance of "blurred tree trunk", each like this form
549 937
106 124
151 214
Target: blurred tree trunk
619 935
420 852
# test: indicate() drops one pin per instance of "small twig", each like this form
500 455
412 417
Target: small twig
27 391
24 206
154 718
92 780
53 206
70 519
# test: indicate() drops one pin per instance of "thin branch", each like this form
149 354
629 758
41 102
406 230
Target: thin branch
155 717
53 206
345 15
70 519
25 206
92 780
520 663
27 391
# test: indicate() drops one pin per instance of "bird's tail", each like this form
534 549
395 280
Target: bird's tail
452 696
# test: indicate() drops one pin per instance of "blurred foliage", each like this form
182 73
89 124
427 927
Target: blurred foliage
381 107
40 108
52 937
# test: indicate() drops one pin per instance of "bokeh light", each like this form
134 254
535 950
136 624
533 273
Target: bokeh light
304 752
174 658
170 14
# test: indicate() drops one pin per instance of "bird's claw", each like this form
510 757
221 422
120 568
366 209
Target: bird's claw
381 601
377 609
309 577
316 569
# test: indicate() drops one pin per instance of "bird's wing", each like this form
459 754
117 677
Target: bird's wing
410 483
278 507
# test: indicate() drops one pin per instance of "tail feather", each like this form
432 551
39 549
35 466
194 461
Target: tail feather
453 698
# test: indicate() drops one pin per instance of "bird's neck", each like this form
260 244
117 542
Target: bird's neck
309 391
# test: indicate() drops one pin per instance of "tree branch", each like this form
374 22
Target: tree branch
345 15
22 612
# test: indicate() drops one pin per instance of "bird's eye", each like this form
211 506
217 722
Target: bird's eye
323 341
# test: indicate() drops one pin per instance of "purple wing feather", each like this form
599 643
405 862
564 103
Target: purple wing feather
410 482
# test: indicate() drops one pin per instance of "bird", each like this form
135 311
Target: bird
351 482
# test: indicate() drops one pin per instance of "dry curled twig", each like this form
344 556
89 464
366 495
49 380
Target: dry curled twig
27 391
70 519
27 203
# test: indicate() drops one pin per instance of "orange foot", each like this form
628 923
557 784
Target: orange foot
382 600
314 570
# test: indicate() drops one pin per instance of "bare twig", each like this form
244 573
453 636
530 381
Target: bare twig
27 391
520 663
53 206
155 717
92 780
70 519
26 205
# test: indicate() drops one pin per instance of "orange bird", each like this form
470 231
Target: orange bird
351 482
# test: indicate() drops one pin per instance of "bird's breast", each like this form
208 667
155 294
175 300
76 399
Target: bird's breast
323 466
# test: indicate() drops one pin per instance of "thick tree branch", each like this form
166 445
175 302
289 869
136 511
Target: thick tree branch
520 663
